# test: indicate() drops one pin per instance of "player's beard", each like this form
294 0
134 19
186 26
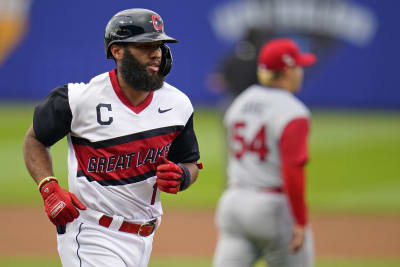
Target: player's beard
136 75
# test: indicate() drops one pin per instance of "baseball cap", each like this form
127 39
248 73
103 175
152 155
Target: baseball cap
280 53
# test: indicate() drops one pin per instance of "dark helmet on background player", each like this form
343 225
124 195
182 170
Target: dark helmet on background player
139 25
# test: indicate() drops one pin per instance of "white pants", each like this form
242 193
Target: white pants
86 244
253 225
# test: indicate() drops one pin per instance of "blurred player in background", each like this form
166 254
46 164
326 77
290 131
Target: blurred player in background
263 213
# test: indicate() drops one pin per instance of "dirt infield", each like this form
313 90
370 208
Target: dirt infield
27 232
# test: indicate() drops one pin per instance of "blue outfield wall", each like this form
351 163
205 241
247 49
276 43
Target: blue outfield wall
46 43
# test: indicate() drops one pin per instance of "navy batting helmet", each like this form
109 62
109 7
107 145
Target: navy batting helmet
138 25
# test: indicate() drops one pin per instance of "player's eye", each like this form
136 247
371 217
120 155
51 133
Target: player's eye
151 46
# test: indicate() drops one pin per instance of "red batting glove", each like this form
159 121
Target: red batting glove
60 204
169 176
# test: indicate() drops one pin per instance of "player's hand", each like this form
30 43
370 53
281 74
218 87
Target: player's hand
169 176
60 205
297 238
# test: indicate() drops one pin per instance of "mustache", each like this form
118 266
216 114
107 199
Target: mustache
154 63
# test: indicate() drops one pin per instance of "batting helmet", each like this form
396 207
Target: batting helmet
139 25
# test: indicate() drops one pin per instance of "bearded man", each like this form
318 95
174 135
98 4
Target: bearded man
130 137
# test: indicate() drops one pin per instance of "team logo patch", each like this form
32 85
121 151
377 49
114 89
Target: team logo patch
288 60
57 209
157 22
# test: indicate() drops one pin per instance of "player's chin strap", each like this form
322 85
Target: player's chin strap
166 60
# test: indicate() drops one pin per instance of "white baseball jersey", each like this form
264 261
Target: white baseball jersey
254 122
113 146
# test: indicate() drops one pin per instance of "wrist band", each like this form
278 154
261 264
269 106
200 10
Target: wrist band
46 180
186 177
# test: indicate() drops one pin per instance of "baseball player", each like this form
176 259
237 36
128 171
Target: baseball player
130 136
263 213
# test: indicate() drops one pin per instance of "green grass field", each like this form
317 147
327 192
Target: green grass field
354 164
354 167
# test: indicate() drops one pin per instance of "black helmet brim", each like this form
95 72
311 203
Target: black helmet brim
150 37
143 38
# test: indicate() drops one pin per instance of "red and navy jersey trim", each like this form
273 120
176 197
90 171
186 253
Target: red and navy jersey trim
126 138
123 160
124 181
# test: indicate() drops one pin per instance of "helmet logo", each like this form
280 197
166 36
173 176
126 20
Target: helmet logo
157 22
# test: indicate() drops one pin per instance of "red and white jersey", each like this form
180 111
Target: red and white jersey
114 147
255 122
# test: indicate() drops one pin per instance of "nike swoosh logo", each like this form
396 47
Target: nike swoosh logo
163 110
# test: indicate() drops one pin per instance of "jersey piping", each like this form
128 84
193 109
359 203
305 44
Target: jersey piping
124 181
126 139
118 91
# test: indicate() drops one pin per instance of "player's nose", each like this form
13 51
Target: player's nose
156 53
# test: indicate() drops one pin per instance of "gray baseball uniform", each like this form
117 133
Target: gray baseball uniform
254 215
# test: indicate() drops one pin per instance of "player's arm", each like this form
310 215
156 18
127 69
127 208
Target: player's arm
37 157
51 122
181 169
294 155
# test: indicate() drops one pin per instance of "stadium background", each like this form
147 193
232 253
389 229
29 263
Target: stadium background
352 91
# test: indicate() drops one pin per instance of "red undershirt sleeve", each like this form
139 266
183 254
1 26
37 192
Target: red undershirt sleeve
294 155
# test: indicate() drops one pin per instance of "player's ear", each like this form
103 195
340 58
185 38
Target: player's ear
264 76
117 51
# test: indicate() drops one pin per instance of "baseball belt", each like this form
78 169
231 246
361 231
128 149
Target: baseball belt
144 229
118 223
272 189
278 190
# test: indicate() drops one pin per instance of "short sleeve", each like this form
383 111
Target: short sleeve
52 117
185 148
